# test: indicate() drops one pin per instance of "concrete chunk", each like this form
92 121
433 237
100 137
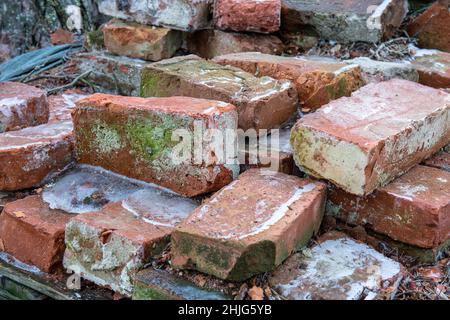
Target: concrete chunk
345 20
250 226
365 141
262 103
317 80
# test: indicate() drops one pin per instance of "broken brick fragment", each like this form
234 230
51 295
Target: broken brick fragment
110 246
34 233
21 106
318 81
262 16
432 28
136 137
413 209
363 142
140 41
61 106
337 268
262 103
250 226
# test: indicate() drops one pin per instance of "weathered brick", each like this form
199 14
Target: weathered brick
151 284
440 161
250 226
111 74
248 15
432 28
413 209
133 137
34 233
317 81
345 20
21 106
433 67
262 103
31 156
174 14
108 247
377 71
140 41
211 43
60 106
365 141
338 268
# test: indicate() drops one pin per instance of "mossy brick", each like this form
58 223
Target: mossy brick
363 142
262 103
135 137
250 226
317 80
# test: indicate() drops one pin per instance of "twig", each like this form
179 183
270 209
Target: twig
71 84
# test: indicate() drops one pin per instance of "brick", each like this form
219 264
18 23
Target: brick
211 43
21 106
250 226
377 71
34 233
110 246
31 156
345 20
432 28
174 14
433 67
133 137
317 81
151 284
440 161
338 268
413 209
111 74
248 15
140 41
262 103
280 153
365 141
60 106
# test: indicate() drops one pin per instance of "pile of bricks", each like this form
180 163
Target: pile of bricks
362 142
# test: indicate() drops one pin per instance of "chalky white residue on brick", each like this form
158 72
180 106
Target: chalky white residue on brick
344 266
408 192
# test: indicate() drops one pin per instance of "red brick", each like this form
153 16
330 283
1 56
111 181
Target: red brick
21 106
121 134
432 28
318 81
61 106
34 233
108 247
413 209
440 161
250 226
211 43
365 141
248 15
61 36
141 41
31 156
433 67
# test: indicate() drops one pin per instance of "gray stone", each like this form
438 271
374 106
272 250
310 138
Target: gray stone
345 20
